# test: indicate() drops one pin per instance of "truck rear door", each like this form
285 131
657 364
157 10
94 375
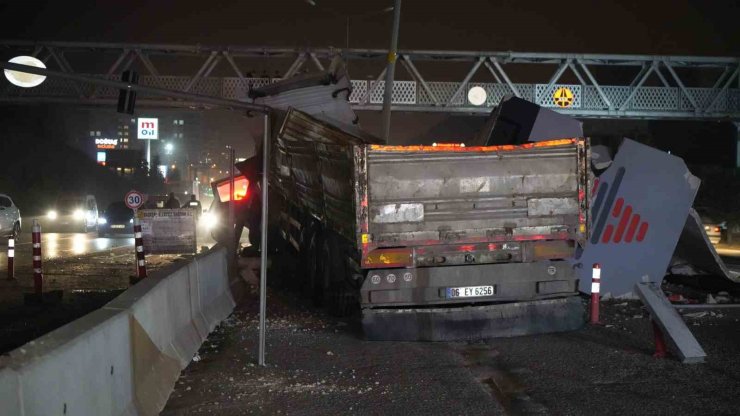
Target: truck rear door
425 201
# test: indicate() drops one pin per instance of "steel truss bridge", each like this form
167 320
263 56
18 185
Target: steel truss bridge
603 86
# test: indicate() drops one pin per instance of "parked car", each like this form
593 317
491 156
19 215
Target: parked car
116 220
73 214
10 218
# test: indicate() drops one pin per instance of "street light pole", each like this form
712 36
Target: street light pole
390 72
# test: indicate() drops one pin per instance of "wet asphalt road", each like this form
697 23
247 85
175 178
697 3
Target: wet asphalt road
61 245
86 270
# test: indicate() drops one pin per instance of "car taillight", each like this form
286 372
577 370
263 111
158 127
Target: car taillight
393 257
241 187
716 229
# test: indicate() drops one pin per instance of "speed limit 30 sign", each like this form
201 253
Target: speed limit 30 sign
134 199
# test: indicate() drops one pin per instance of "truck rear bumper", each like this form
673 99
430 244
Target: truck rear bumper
509 282
474 322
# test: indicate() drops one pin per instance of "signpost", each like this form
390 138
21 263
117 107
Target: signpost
147 129
134 200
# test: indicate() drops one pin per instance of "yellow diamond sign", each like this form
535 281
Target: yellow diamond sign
563 97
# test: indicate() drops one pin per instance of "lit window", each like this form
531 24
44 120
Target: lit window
125 127
97 133
174 122
182 122
92 133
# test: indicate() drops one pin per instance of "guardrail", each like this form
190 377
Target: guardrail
125 357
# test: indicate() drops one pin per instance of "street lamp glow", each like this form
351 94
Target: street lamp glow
169 147
24 79
477 95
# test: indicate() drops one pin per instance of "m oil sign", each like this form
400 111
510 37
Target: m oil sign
148 128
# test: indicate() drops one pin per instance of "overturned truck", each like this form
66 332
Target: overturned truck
434 242
463 242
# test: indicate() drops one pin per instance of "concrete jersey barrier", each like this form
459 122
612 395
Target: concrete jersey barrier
124 358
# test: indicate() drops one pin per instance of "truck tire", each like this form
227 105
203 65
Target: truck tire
340 297
343 300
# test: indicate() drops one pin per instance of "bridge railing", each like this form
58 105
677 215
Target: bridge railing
644 101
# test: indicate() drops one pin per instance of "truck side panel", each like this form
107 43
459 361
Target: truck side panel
319 160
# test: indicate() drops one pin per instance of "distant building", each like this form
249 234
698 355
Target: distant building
100 133
124 162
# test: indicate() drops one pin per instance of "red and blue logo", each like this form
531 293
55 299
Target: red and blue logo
615 220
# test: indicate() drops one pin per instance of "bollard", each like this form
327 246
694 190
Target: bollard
595 288
38 276
139 243
660 349
11 258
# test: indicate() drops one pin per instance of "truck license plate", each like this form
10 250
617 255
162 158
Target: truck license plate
469 291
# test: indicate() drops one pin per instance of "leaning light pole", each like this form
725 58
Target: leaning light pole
390 72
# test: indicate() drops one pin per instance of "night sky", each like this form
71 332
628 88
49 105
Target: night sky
697 27
666 27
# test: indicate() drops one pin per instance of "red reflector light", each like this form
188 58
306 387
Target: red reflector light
403 257
241 185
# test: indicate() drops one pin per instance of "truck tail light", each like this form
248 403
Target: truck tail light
392 257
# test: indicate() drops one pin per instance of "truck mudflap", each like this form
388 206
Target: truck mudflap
475 322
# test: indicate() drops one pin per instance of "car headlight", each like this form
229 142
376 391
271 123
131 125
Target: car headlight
52 215
78 214
209 220
102 221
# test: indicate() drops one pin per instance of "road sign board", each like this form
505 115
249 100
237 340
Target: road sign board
134 199
563 97
147 128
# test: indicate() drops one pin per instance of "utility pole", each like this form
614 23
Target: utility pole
392 55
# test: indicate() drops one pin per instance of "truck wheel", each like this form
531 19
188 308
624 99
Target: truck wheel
342 299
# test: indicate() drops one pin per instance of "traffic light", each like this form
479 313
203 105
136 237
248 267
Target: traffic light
126 97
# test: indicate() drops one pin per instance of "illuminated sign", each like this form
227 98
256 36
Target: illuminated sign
101 158
102 143
147 128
